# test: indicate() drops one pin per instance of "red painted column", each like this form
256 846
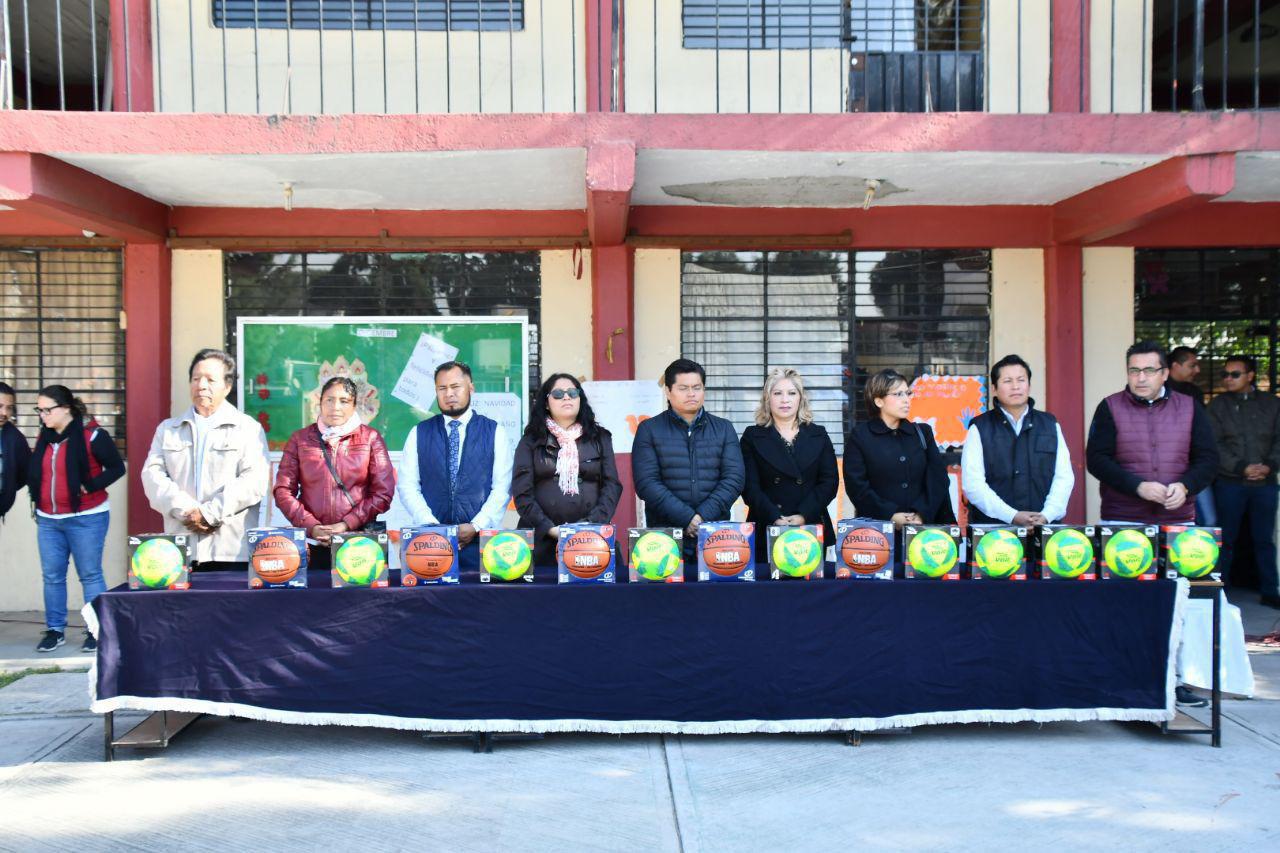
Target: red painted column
131 64
1069 83
146 345
599 33
613 343
1064 357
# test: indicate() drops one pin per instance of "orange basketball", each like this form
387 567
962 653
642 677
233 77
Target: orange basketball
276 558
586 554
428 555
864 550
726 552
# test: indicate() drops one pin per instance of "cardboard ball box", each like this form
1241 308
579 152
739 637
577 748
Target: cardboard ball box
498 551
363 563
1073 548
429 555
726 551
790 556
866 549
1200 564
277 557
664 547
980 570
166 564
586 553
935 564
1137 552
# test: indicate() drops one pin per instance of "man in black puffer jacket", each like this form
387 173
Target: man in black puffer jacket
14 450
686 461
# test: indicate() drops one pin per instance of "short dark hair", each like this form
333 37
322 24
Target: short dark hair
345 382
61 396
450 365
1250 365
6 388
682 365
1011 360
217 355
879 387
1146 348
1180 355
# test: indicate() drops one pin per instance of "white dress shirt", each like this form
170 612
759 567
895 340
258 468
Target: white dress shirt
973 470
409 485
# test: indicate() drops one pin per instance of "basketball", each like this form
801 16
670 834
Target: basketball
506 556
932 552
1068 553
586 554
1194 553
1129 553
726 552
865 550
359 561
999 553
428 555
655 556
276 558
157 563
797 553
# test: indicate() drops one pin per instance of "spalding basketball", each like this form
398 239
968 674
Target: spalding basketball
726 552
428 555
586 554
276 558
865 550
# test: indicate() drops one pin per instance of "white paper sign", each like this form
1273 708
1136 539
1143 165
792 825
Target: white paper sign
504 408
417 383
621 406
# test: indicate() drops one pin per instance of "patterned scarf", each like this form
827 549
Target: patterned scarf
567 458
332 435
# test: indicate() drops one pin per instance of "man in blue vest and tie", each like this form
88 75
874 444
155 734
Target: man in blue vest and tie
456 466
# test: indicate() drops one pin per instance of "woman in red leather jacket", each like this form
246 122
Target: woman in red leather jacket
336 474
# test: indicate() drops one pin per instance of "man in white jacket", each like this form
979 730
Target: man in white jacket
207 469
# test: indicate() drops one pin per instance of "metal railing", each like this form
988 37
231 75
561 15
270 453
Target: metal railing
57 55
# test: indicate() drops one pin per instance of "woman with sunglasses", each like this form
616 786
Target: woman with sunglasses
74 461
564 466
893 469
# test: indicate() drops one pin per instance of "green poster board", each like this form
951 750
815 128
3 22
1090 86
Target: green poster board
285 360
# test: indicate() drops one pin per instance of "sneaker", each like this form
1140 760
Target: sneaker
1186 696
90 645
51 640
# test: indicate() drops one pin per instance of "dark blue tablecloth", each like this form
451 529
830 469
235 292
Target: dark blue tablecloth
768 656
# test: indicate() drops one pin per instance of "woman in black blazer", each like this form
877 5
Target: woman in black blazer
893 469
790 462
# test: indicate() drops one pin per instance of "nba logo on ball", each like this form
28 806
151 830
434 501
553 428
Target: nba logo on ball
359 559
506 555
932 551
1129 551
277 557
584 553
428 554
796 552
159 561
865 549
1190 552
1067 552
997 552
726 551
655 555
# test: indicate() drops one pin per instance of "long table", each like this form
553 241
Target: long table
779 656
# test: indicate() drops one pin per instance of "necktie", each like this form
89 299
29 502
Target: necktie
455 447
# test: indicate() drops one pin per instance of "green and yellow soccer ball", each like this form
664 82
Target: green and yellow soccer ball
157 563
797 553
1194 553
999 553
1068 553
933 552
656 556
359 561
1129 553
506 556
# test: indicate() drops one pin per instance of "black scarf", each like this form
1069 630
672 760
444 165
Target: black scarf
76 460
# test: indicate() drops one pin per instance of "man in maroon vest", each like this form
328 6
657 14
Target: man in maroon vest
1149 447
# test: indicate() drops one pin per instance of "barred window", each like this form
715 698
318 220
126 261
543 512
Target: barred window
426 15
763 24
60 325
403 284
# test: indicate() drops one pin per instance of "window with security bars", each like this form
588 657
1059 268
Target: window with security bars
426 15
763 24
401 284
60 325
837 317
1220 302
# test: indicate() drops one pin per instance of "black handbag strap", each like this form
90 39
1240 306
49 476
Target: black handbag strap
328 461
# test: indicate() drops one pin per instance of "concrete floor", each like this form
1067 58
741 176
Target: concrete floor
229 784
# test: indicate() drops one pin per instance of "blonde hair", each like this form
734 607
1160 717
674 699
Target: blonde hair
764 417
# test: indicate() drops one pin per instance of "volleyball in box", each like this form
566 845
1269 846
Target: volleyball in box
1191 552
655 555
429 554
359 559
931 551
726 551
506 555
1066 552
865 549
796 552
160 561
997 552
277 557
1128 551
585 554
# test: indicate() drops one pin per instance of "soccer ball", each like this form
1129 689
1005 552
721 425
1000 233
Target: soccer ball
1068 553
359 561
1128 553
656 556
797 553
932 552
506 556
157 563
999 553
1194 553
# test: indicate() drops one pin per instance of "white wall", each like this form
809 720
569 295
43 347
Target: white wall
1120 52
1018 39
198 315
1017 309
566 315
657 311
1108 332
